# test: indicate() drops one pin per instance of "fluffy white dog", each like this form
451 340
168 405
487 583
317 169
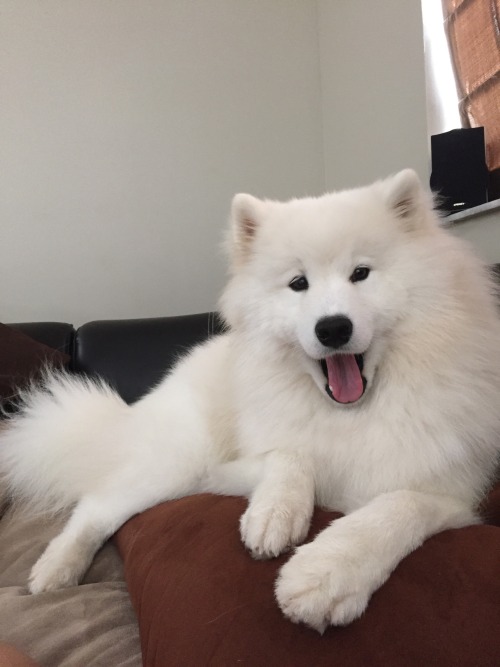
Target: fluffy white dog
361 372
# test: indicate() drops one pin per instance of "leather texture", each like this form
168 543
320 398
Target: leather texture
131 355
57 335
134 355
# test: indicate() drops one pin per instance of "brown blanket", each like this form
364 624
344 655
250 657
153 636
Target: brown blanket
202 601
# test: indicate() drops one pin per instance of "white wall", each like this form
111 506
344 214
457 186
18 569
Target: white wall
126 127
373 88
483 233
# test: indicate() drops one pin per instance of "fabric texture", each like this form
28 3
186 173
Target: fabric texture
91 625
21 360
201 600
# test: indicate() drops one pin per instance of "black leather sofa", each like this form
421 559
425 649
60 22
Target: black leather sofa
131 355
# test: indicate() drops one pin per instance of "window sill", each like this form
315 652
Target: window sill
474 212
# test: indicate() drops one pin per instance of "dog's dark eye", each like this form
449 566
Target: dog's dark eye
298 284
360 273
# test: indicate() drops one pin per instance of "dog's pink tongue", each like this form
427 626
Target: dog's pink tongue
344 378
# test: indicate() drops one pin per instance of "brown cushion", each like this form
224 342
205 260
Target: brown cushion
201 599
11 657
491 507
21 360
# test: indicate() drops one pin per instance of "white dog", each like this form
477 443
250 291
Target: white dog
361 372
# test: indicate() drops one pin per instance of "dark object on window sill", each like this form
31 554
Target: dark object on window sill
494 185
459 172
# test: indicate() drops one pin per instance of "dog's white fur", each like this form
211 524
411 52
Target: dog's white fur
247 412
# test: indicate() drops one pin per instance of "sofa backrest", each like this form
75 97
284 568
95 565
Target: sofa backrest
131 355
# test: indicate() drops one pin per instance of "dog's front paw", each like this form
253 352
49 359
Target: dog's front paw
48 575
268 531
321 590
60 566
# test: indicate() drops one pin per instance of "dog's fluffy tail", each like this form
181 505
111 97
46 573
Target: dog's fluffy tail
62 442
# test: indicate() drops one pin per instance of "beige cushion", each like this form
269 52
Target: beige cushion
92 625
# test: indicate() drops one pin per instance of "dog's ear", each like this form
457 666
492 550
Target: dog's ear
407 199
246 217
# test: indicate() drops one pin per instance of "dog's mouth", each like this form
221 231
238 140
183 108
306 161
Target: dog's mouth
344 372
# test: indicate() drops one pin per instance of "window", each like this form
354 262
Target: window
473 31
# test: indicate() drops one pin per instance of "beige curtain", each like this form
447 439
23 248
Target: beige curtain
473 31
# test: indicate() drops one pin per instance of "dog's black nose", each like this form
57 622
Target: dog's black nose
334 331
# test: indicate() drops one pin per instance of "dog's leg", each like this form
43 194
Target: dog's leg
280 508
94 519
234 478
330 580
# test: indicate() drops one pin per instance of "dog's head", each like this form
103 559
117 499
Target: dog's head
328 277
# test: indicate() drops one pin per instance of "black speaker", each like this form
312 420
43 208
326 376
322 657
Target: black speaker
459 173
